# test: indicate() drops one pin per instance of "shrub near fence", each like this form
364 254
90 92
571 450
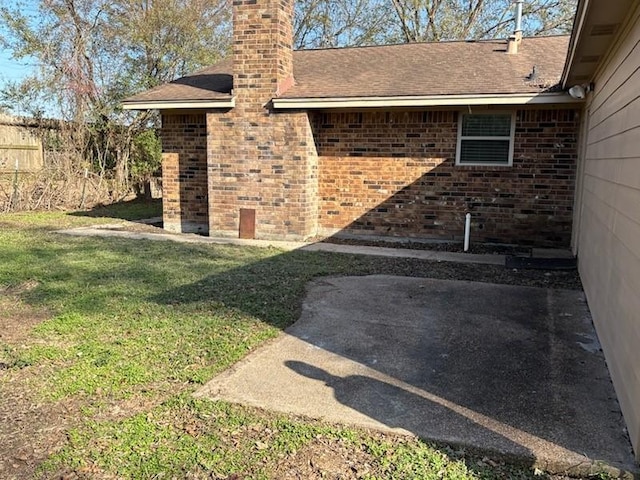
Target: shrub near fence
54 164
42 169
52 188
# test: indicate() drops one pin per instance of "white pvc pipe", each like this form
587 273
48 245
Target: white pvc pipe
467 231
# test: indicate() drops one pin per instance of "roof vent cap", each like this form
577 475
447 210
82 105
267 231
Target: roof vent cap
514 40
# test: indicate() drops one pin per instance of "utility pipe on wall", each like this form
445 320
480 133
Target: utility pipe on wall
467 231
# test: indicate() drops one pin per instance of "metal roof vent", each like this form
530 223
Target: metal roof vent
514 40
590 58
603 29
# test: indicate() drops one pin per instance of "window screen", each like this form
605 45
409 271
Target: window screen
485 139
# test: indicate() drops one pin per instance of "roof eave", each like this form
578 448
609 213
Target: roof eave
576 33
178 104
597 27
425 101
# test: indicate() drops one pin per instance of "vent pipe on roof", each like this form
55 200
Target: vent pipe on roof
514 40
518 16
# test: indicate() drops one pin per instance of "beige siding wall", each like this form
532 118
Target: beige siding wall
608 222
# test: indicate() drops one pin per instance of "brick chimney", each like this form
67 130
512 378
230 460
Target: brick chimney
261 163
262 47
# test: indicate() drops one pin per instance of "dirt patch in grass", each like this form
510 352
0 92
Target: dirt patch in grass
326 458
30 429
16 317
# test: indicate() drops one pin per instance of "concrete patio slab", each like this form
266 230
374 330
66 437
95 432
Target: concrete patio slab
514 372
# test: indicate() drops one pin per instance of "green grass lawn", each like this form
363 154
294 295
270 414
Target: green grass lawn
126 330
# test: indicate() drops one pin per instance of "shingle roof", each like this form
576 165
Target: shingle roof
445 68
418 69
211 83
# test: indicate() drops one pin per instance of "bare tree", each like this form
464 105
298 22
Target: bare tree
336 23
436 20
92 53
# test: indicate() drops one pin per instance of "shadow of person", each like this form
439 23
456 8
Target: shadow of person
396 408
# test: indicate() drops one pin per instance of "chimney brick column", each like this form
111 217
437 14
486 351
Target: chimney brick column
259 158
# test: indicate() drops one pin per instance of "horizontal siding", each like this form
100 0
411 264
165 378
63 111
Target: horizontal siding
609 236
616 145
628 204
620 121
622 65
610 275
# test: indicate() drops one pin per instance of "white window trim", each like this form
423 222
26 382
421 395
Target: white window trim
511 138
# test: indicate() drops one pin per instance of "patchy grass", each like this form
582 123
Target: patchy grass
133 327
53 220
188 438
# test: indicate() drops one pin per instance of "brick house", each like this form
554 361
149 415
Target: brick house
398 140
404 140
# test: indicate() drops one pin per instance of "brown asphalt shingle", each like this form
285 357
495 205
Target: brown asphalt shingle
211 83
419 69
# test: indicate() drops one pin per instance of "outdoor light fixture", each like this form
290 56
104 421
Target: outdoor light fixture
580 91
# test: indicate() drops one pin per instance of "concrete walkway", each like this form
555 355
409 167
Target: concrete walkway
118 230
512 372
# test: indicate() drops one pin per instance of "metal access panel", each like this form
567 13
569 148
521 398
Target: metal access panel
247 223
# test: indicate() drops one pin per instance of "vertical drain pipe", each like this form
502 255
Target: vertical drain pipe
467 231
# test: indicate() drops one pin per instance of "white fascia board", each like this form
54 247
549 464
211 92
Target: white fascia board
576 36
169 105
425 101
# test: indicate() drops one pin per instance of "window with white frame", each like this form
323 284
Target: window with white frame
485 139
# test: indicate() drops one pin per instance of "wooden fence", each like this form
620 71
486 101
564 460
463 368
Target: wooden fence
21 147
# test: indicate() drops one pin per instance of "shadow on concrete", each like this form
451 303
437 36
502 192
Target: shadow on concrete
515 371
409 410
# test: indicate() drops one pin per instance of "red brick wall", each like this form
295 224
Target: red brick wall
262 46
266 163
394 173
184 173
258 158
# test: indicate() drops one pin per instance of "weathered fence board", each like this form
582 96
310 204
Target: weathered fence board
20 146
